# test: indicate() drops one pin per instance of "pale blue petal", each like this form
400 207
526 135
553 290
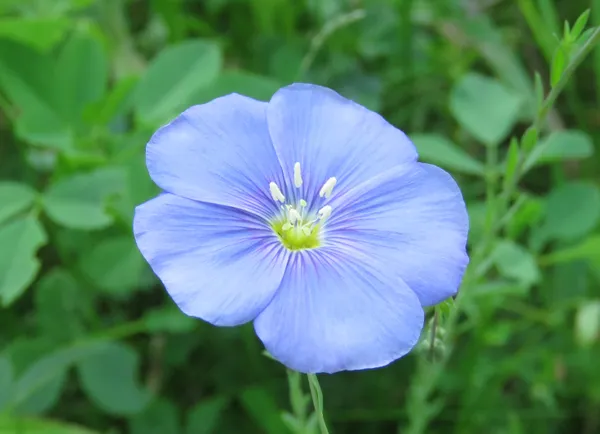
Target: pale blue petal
218 152
217 263
331 136
412 217
337 310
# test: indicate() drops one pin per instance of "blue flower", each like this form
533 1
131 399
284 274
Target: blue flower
308 215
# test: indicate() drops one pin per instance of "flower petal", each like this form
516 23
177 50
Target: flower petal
217 263
336 311
218 152
331 136
413 217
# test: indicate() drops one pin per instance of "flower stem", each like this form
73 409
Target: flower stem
433 333
297 397
317 398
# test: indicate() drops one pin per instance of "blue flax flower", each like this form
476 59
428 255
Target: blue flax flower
308 215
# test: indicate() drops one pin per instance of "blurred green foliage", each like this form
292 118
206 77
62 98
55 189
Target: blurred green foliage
90 342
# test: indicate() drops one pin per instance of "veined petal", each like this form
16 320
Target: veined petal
217 263
331 136
336 311
413 217
219 152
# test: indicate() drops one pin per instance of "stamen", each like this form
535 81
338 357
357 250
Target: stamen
325 212
294 216
297 175
276 193
297 225
327 187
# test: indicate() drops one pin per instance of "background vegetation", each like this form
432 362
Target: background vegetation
91 343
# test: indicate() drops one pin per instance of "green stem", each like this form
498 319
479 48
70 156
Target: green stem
432 336
119 332
297 397
538 123
317 398
565 78
127 61
330 27
424 384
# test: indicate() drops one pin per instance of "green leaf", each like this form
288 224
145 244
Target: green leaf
566 285
59 306
262 408
79 201
560 146
242 82
588 249
587 323
530 139
445 307
566 31
40 386
160 417
14 199
109 380
19 242
485 108
24 352
10 424
438 150
512 160
580 25
40 33
27 77
572 210
529 212
139 186
178 72
204 417
81 75
585 36
490 42
6 380
499 289
515 262
559 62
168 319
293 425
114 265
117 102
539 91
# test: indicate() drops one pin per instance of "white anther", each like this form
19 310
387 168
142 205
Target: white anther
297 175
327 187
287 226
325 212
294 216
276 193
303 203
